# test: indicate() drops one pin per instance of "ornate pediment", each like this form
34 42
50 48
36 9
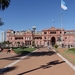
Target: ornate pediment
52 28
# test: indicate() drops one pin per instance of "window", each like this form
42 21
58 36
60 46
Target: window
64 32
58 38
18 38
40 37
37 38
65 37
45 37
28 38
45 32
52 32
60 32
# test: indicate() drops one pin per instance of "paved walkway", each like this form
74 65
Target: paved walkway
41 62
6 59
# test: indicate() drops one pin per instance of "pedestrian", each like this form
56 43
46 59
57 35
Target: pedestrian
9 50
68 45
62 45
1 49
38 46
49 47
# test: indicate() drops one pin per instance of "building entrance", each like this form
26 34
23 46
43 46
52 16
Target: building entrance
27 43
53 41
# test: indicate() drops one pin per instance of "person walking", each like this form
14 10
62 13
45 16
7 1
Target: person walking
1 49
49 47
38 46
9 50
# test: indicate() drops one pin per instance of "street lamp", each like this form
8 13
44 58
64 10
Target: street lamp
1 23
33 32
34 28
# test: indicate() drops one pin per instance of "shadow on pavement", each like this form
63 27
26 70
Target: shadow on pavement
4 70
49 53
17 57
48 65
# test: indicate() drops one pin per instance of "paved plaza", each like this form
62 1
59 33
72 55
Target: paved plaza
40 62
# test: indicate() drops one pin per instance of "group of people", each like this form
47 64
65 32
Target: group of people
8 51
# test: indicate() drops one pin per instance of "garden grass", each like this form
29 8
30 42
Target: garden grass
24 51
65 52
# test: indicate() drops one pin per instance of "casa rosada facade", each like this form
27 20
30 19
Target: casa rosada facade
42 38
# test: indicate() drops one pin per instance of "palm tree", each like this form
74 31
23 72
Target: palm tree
4 4
4 43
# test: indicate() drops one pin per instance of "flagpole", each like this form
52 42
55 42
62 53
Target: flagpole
64 7
61 28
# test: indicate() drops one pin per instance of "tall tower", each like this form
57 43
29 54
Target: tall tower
3 36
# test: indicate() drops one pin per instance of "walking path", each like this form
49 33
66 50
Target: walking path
6 59
40 62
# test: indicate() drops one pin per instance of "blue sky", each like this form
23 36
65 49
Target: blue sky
23 14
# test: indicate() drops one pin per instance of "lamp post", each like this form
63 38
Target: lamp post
34 28
33 32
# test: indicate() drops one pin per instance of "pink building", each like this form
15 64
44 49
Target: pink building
47 36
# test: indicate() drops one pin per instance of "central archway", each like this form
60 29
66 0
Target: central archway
53 41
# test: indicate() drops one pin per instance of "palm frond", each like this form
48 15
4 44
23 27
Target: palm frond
4 4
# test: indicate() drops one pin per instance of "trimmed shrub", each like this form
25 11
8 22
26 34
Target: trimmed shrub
56 46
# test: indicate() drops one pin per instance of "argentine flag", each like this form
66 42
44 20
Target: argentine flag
63 6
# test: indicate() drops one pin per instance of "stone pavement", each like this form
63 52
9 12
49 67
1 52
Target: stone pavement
5 59
40 62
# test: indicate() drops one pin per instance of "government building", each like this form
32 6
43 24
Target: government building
42 38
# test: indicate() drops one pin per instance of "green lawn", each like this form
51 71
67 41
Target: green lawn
24 51
67 57
69 52
66 52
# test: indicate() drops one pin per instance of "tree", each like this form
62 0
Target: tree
56 46
4 43
7 43
4 4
